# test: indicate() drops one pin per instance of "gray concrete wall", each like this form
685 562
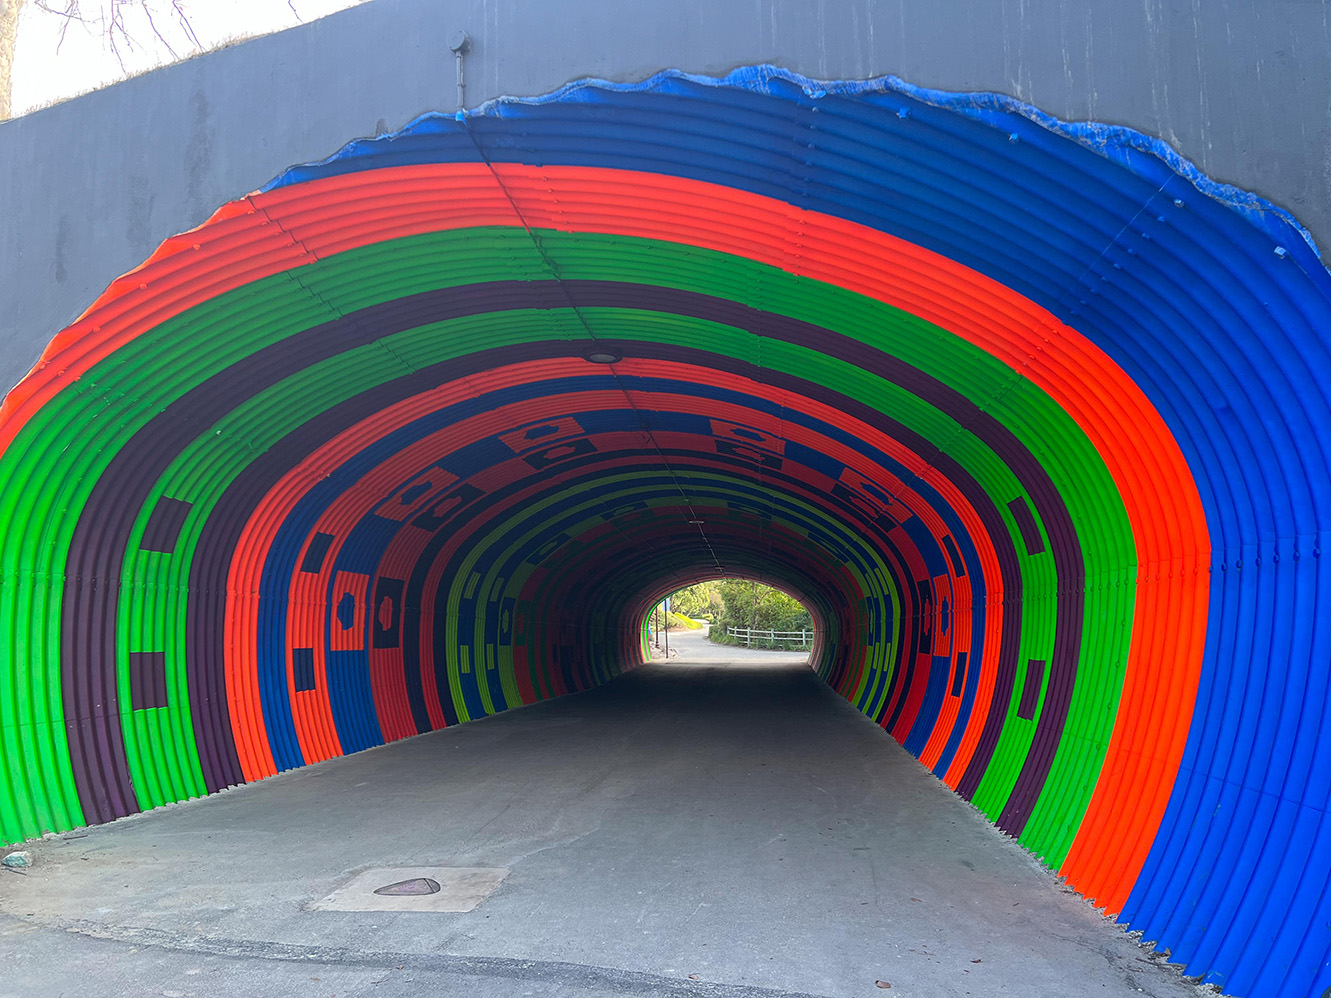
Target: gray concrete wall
91 186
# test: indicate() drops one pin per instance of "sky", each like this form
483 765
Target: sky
47 70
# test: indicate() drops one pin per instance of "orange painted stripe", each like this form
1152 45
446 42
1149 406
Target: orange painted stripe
266 234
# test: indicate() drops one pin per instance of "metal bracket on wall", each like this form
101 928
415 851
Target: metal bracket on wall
460 44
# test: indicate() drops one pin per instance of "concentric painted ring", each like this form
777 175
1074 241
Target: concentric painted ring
1036 429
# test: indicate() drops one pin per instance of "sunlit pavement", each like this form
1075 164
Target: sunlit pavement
690 647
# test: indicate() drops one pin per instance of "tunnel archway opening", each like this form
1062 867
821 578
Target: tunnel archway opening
735 610
746 612
469 386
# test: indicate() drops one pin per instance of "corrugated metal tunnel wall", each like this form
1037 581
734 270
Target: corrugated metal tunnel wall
1030 414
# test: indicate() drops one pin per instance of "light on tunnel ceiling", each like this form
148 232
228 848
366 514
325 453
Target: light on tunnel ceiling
601 357
696 523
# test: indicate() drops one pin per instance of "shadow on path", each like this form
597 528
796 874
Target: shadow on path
732 819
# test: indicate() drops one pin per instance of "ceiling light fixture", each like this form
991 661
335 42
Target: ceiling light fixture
602 357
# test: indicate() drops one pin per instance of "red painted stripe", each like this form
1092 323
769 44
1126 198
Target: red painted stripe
309 612
269 233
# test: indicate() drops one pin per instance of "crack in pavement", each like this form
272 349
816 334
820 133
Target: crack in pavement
549 972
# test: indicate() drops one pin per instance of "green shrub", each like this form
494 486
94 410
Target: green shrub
740 603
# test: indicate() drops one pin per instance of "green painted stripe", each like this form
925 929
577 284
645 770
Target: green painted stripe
62 450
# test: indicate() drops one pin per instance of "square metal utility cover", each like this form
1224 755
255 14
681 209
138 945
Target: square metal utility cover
414 888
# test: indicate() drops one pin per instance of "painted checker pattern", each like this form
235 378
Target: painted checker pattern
1031 415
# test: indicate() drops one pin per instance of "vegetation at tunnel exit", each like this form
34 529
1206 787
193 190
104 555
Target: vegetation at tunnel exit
674 621
742 603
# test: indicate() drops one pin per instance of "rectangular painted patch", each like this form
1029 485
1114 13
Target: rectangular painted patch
437 513
736 505
388 612
623 510
1030 530
944 624
147 679
1030 690
346 625
539 554
542 459
412 495
302 668
521 622
164 525
749 436
748 452
954 556
924 644
877 502
316 552
542 434
959 676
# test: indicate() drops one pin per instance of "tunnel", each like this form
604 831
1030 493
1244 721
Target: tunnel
1031 415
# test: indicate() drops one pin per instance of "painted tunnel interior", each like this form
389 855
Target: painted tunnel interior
1031 415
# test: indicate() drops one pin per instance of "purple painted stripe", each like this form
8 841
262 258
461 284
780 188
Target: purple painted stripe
163 526
204 622
666 546
954 556
1030 689
89 664
1030 531
959 676
97 548
1066 545
147 679
302 669
1005 550
315 553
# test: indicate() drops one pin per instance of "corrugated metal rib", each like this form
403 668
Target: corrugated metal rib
974 318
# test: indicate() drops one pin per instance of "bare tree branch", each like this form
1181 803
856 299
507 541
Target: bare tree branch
183 18
70 13
70 10
116 34
118 25
147 12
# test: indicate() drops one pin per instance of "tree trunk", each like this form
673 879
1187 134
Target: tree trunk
8 36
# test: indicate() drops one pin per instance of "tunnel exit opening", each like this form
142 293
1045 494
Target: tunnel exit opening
741 612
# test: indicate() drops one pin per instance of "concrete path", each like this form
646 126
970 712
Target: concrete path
719 825
691 647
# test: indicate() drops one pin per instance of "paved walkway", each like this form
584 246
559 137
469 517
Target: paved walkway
719 825
692 647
